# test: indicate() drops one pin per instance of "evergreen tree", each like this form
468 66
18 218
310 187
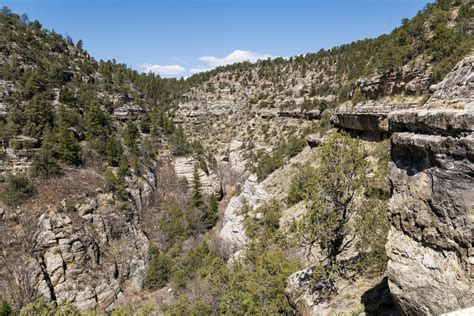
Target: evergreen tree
158 271
196 199
114 152
130 135
211 216
179 144
44 165
68 147
98 127
340 178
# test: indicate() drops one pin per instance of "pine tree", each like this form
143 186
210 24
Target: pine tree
68 147
196 200
98 127
130 135
210 218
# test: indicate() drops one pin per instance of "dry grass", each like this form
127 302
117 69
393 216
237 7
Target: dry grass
73 183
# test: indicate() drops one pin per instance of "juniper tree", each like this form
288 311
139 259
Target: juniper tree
339 179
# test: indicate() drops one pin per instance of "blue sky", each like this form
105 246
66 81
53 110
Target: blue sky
180 37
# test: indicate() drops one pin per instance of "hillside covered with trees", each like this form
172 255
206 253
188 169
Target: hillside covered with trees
228 192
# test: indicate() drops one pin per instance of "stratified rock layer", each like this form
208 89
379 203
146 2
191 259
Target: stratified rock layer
430 246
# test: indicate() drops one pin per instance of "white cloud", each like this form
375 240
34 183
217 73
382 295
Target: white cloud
165 71
234 57
198 70
211 63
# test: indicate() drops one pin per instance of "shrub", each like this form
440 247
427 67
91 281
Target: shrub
44 165
158 270
43 308
302 185
17 188
267 164
371 229
340 179
116 184
5 309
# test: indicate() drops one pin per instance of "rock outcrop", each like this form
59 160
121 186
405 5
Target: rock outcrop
252 196
366 118
210 182
307 296
88 253
430 247
408 81
129 112
431 256
457 89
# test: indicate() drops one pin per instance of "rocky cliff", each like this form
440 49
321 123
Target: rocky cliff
84 248
431 172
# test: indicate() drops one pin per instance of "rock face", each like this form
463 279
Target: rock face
129 112
409 81
77 257
430 246
367 118
252 196
308 115
457 88
184 168
437 122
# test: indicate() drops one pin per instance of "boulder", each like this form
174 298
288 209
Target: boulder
307 296
314 140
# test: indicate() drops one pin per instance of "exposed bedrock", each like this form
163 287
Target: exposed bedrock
367 118
430 246
431 256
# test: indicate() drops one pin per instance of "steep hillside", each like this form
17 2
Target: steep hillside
79 160
250 189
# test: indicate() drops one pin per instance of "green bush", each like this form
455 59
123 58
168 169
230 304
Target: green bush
267 164
16 188
44 165
371 230
158 270
183 307
302 184
5 309
267 224
116 184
